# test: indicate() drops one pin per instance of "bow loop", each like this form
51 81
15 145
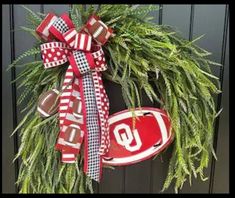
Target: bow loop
43 29
98 29
78 41
54 54
60 26
99 58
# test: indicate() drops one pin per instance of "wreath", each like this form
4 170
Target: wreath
142 57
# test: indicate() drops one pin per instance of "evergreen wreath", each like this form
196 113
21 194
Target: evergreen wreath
142 57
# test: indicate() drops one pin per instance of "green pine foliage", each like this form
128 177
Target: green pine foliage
142 57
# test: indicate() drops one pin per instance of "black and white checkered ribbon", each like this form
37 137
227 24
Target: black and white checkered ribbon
92 166
93 129
61 25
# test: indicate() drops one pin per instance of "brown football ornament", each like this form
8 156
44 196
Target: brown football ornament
99 31
48 103
72 135
77 108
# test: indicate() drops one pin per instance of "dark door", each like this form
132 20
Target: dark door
147 176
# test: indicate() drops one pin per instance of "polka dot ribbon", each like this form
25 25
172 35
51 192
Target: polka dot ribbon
84 105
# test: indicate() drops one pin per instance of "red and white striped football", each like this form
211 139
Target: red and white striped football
48 103
128 145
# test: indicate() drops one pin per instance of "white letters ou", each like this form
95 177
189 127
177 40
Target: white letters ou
125 139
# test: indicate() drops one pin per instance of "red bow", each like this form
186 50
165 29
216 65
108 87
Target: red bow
84 105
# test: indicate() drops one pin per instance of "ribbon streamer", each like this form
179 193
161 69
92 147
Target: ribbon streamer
84 105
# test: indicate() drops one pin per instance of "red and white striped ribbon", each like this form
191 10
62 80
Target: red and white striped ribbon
71 120
66 94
